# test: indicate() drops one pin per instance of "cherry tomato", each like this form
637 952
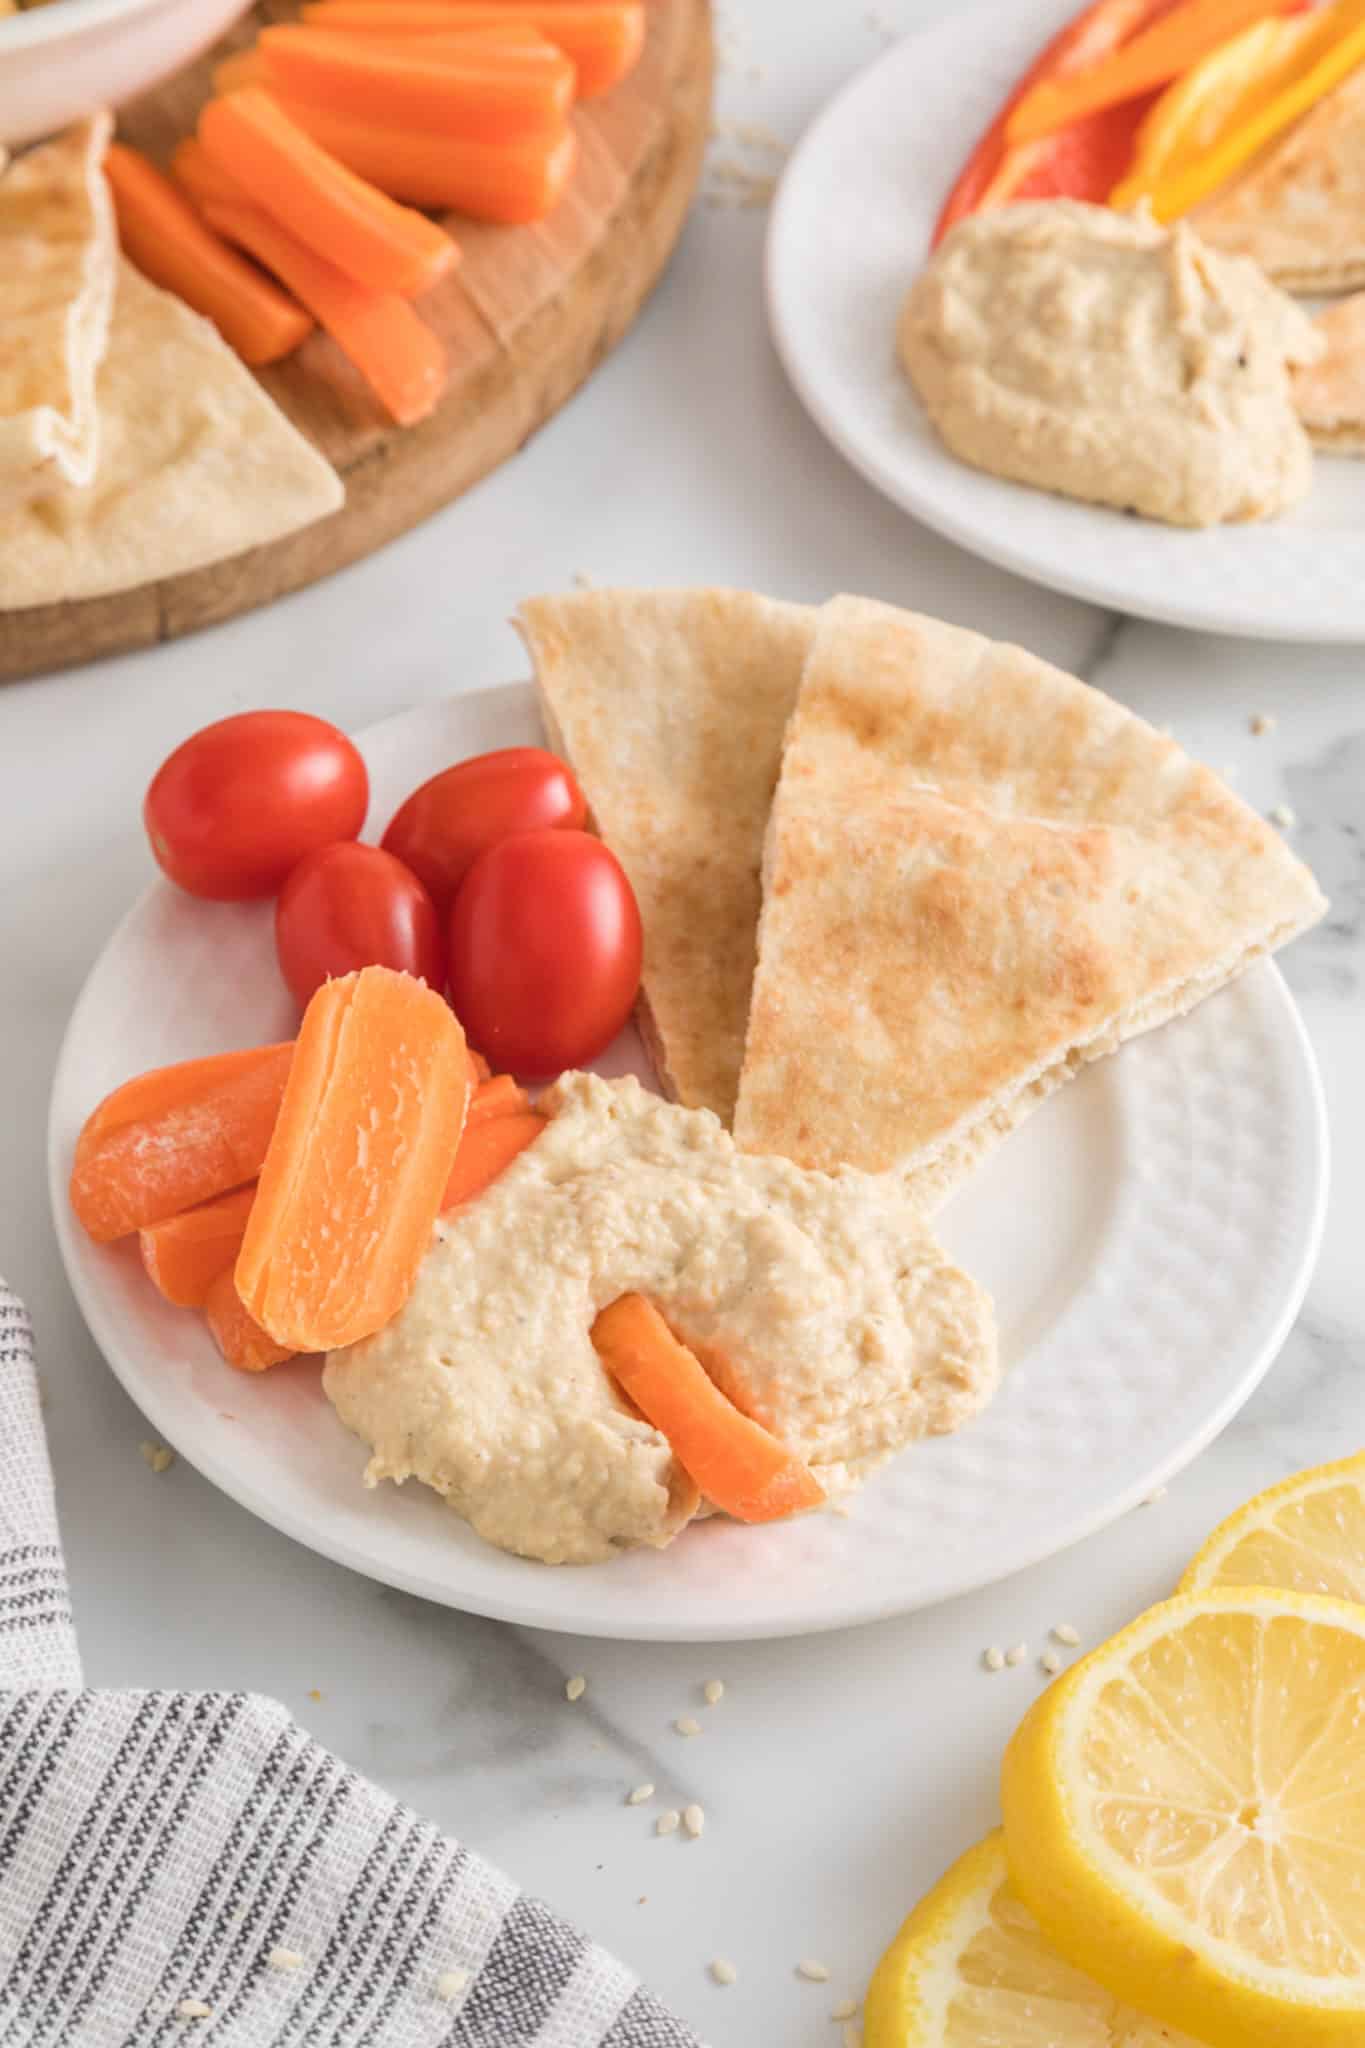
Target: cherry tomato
348 906
545 946
446 824
231 811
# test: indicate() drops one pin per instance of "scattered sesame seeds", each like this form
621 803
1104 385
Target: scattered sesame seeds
193 2009
1066 1634
713 1692
575 1687
842 1509
1262 723
694 1821
1157 1493
639 1794
1282 816
1016 1654
724 1972
845 2010
813 1972
158 1456
582 580
994 1658
1051 1662
687 1724
667 1823
285 1959
450 1984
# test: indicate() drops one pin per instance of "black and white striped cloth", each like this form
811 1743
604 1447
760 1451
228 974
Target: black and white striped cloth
179 1867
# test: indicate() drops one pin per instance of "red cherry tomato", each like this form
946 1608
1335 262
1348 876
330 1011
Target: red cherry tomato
446 824
545 946
231 811
348 906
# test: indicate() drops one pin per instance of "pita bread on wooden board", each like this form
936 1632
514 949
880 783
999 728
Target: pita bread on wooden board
1299 209
1330 393
196 463
670 705
980 873
57 254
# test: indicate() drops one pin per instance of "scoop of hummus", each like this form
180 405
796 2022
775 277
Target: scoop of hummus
819 1302
1102 356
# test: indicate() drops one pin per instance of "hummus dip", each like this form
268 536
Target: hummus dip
819 1302
1105 357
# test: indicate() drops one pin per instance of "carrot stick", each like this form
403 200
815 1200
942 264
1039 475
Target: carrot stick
736 1463
243 67
488 93
1154 57
479 1067
240 1338
207 1133
382 245
197 174
508 182
166 1088
399 357
602 38
487 1149
186 1253
501 1096
361 1153
169 243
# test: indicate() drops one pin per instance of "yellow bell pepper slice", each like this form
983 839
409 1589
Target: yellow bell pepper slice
1177 194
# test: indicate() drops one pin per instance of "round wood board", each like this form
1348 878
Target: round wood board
527 317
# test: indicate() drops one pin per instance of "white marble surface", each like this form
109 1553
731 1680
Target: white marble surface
839 1774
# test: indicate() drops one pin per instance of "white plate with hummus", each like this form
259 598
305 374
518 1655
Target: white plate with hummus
1147 1236
850 231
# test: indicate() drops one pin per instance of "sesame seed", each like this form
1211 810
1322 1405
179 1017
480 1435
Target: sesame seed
1051 1662
193 2009
813 1972
713 1692
994 1658
845 2010
1282 816
314 1694
285 1959
639 1794
1262 723
1157 1493
450 1984
694 1820
840 1508
1065 1633
667 1823
687 1724
1017 1654
158 1456
723 1972
574 1688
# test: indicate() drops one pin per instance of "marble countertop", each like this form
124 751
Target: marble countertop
839 1774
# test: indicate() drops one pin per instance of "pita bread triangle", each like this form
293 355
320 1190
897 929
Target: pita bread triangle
980 873
1330 393
1299 209
671 705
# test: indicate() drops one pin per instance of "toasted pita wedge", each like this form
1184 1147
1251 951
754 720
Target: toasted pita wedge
670 705
1299 209
979 874
57 255
196 462
1330 394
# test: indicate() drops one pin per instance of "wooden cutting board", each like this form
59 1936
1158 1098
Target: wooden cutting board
528 316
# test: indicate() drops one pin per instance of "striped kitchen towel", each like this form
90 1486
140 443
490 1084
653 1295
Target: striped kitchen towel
178 1867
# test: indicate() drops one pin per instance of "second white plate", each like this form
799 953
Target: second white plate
1148 1237
850 228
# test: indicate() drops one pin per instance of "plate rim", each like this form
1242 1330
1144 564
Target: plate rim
531 1612
1318 628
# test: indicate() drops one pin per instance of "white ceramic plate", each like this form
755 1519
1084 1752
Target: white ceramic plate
849 230
1148 1237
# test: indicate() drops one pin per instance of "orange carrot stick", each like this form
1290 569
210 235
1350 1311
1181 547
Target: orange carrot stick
478 1067
507 182
186 1253
399 357
194 1132
603 38
387 247
243 67
360 1156
169 243
240 1338
501 1096
737 1464
487 1149
195 171
487 92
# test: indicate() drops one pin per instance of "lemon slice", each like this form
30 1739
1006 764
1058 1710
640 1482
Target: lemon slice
1185 1814
970 1969
1307 1535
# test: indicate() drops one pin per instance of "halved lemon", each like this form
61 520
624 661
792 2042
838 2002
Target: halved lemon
1307 1534
1185 1816
971 1969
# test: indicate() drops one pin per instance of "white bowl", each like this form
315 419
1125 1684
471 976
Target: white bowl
62 61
